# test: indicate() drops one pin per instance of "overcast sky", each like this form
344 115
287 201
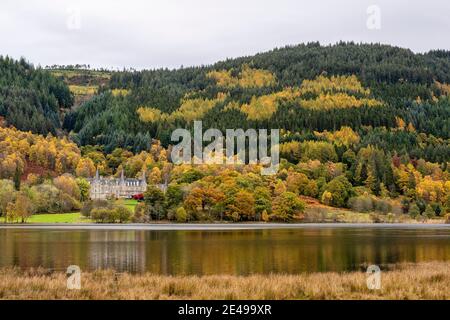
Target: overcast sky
171 33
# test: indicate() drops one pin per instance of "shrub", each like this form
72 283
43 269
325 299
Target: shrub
414 210
181 214
438 210
286 206
362 203
113 215
341 190
68 185
100 214
49 199
88 206
68 203
383 206
265 216
140 213
327 198
122 214
429 212
86 209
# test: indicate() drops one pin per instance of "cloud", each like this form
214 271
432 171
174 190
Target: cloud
170 33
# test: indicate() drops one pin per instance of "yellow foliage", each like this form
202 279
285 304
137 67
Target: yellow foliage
336 92
155 175
248 78
338 101
10 164
233 105
327 198
400 123
263 107
150 115
431 190
260 108
137 164
189 110
120 92
223 78
334 84
345 136
18 147
83 90
85 168
255 78
195 109
444 87
290 150
67 184
410 127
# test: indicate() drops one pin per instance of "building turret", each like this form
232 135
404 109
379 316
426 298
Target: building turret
144 179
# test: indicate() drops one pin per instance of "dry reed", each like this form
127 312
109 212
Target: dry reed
404 281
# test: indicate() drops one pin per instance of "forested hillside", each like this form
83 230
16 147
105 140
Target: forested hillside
363 126
300 89
31 98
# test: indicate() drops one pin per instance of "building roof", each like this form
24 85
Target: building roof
116 181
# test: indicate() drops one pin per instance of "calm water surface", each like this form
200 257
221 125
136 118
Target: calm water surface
223 251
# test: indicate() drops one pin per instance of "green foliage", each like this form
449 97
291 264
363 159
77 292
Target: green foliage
414 210
174 195
263 202
140 213
84 187
361 125
155 200
31 98
345 74
429 212
181 215
102 215
121 213
286 206
7 195
341 190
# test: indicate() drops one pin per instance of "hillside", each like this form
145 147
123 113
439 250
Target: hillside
364 127
83 83
299 89
31 98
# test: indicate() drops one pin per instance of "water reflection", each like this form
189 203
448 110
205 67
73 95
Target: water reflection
219 252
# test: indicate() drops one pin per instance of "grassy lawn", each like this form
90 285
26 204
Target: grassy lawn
74 217
129 203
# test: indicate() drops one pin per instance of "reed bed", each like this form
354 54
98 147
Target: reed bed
403 281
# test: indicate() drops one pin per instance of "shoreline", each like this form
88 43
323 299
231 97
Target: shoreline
218 226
